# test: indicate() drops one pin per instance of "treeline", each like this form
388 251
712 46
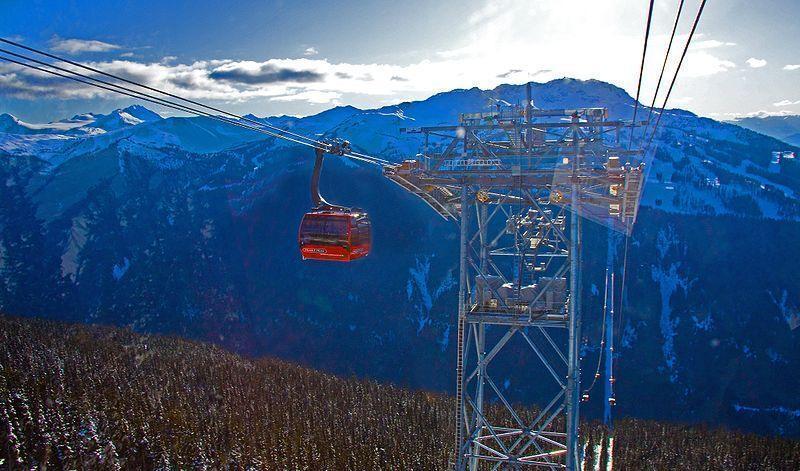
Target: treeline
86 397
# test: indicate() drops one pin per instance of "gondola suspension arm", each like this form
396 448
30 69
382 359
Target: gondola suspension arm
334 147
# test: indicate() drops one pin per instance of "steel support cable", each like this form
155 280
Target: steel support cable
622 297
602 339
675 76
138 95
76 79
311 142
368 159
116 88
641 68
663 66
620 330
647 149
155 101
116 77
376 160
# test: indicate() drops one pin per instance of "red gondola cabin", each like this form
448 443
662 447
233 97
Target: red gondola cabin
335 235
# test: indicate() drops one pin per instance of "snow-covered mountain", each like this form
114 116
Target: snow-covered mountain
785 128
188 226
82 124
61 140
690 174
119 119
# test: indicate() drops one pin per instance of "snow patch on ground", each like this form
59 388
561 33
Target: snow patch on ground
629 335
780 410
669 281
418 282
119 270
444 341
77 239
788 313
596 450
703 324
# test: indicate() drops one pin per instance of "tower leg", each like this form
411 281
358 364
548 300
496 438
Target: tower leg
462 330
479 385
573 360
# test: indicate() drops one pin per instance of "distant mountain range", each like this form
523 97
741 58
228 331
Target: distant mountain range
188 226
785 128
82 124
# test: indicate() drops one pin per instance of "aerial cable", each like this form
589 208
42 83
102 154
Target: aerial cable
156 101
107 74
311 142
622 299
675 77
641 68
622 296
602 341
137 94
86 82
650 141
173 105
663 66
368 157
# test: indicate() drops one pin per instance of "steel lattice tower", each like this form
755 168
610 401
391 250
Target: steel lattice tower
520 181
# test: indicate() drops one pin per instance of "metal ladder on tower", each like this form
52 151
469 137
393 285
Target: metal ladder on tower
459 387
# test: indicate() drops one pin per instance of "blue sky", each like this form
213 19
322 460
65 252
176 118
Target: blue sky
299 58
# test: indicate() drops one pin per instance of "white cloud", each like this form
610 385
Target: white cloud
311 96
501 28
485 53
786 103
75 46
709 44
702 64
756 63
791 67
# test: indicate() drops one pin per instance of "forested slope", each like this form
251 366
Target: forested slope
87 397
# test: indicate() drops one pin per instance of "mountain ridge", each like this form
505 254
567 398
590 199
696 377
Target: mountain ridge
687 175
785 128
